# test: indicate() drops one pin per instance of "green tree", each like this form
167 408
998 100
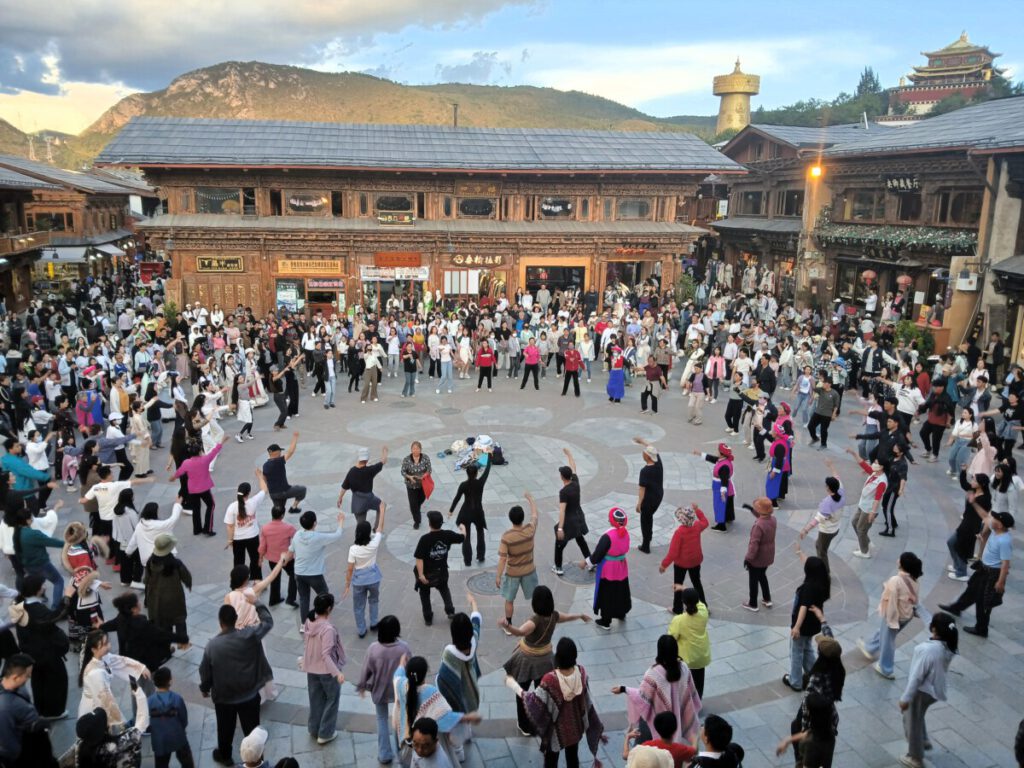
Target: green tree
868 83
949 104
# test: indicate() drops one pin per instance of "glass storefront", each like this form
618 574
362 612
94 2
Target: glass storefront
555 277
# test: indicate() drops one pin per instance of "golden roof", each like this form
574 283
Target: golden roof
961 45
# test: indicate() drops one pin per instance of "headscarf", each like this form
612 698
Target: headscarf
785 407
686 515
724 451
778 431
617 518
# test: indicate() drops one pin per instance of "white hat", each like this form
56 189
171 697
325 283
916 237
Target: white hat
364 454
651 451
251 748
115 417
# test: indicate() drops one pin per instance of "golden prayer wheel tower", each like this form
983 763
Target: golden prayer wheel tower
735 90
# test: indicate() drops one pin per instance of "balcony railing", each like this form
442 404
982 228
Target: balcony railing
14 242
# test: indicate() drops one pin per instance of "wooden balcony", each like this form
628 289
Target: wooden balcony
13 242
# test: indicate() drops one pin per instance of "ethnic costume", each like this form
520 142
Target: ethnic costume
616 387
723 491
611 587
776 481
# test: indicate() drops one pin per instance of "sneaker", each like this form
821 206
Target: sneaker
878 668
954 577
437 391
858 553
910 762
137 585
328 740
239 439
766 604
749 607
557 571
951 569
605 624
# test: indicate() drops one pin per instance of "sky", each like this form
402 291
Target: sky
61 69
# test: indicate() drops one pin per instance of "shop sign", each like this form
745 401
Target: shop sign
396 259
640 246
723 209
290 295
378 274
396 218
311 267
220 264
903 183
477 189
478 261
307 202
318 283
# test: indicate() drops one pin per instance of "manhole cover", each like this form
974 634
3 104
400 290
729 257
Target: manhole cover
403 404
448 411
482 584
576 575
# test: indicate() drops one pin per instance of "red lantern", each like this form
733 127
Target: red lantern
868 276
904 280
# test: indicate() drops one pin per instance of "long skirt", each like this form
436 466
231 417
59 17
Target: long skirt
723 509
616 387
612 598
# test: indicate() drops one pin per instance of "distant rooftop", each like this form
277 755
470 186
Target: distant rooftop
13 180
61 177
806 137
990 126
192 142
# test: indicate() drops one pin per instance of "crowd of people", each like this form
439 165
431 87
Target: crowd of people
93 385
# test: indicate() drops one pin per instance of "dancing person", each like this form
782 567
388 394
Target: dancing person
689 628
723 491
200 487
926 685
898 605
760 552
987 584
828 516
243 530
472 512
516 568
685 554
275 537
650 492
871 494
275 472
804 623
382 658
359 480
431 555
322 659
415 467
572 524
364 573
310 549
611 583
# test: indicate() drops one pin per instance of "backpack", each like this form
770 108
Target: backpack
497 455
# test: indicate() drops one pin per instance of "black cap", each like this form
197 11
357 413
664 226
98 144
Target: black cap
273 448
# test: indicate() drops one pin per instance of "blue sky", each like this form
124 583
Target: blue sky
654 55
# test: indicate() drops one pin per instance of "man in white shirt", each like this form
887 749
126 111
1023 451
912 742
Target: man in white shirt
106 493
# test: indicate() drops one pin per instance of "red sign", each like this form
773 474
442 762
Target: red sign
396 259
150 269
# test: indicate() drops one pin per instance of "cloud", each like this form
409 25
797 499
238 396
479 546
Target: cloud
146 44
479 69
27 70
73 109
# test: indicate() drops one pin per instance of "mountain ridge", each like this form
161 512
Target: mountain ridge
257 90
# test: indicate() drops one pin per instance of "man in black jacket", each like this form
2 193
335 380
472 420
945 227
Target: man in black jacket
232 671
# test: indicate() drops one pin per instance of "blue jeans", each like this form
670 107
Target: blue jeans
587 364
446 376
864 446
959 454
156 429
385 752
959 564
410 384
883 645
53 576
801 659
360 592
803 402
324 693
329 387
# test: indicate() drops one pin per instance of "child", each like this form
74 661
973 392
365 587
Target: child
168 720
85 608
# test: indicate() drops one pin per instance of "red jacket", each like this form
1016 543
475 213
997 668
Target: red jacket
685 550
573 359
761 549
485 359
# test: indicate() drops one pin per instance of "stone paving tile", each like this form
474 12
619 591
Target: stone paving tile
750 651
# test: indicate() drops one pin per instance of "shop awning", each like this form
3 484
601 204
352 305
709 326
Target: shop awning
1009 275
66 254
112 250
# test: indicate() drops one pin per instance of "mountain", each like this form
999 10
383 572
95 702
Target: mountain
12 141
256 90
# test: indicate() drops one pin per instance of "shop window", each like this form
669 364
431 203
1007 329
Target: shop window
218 200
307 203
774 151
756 150
248 201
751 203
478 207
953 207
276 202
529 208
504 208
609 208
447 207
789 202
556 208
164 208
394 203
363 207
909 206
337 206
633 208
585 208
47 221
865 206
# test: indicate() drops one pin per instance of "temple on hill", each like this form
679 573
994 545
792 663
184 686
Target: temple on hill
961 67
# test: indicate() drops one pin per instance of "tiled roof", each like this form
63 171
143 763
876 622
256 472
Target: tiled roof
468 226
801 136
59 176
776 226
159 141
13 180
992 125
110 236
132 180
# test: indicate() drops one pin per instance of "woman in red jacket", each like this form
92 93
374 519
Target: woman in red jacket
685 554
485 365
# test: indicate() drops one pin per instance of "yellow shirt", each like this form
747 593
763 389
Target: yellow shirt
691 634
